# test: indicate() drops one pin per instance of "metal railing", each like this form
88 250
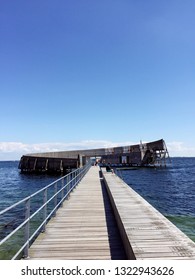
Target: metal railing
59 191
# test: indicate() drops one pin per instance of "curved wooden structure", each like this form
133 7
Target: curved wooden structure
35 164
147 154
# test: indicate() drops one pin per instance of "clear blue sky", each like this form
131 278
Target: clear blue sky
96 72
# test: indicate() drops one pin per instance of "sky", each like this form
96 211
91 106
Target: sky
96 73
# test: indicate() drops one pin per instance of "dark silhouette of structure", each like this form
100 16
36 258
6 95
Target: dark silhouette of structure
143 154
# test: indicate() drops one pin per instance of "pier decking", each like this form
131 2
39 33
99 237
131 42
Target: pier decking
147 234
85 227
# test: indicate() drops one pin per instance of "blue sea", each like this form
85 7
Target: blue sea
171 190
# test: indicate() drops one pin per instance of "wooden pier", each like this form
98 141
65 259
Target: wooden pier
146 233
106 219
84 228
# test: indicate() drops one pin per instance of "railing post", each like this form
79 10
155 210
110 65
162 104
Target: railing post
68 183
62 185
79 175
56 197
44 209
82 170
74 179
27 227
76 176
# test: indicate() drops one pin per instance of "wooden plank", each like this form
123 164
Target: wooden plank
146 233
84 228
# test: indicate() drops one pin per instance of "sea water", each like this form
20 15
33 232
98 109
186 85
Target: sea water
171 190
14 186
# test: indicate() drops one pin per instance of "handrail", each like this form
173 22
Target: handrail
67 182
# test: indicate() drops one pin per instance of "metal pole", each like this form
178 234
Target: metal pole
56 197
44 209
27 227
68 183
74 181
77 175
62 185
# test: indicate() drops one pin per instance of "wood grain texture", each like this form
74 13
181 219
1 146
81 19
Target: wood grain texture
150 234
84 228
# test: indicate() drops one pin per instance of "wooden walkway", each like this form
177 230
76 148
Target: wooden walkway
87 226
84 228
146 233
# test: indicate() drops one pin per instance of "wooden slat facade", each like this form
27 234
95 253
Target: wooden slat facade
152 153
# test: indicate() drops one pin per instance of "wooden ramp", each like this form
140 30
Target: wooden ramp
84 228
146 233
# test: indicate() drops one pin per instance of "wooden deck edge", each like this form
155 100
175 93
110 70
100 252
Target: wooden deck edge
126 242
185 242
